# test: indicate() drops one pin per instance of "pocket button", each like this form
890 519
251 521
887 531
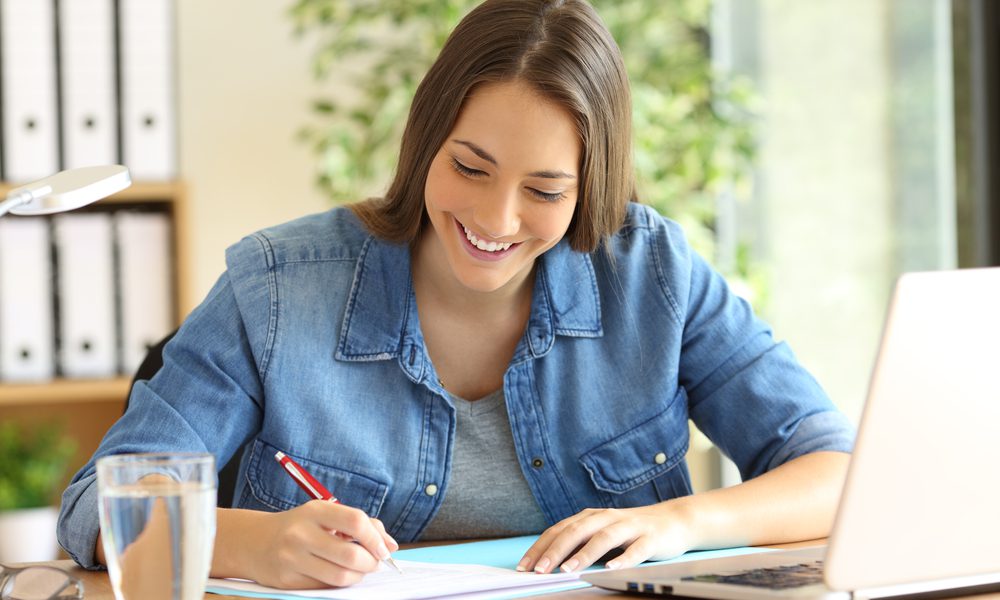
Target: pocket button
660 458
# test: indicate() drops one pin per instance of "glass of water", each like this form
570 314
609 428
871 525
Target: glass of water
157 516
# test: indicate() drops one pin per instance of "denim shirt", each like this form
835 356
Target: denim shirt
310 344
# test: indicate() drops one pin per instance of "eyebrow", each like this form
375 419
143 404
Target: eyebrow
483 154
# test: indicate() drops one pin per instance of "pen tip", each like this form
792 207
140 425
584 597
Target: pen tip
394 565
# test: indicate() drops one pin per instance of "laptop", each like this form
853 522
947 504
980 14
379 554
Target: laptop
920 510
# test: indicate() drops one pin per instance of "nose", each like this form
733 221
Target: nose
498 216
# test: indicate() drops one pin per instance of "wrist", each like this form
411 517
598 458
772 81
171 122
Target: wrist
236 541
702 523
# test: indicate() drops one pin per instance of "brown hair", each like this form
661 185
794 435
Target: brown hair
561 49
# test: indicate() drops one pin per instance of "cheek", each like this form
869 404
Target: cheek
441 193
551 222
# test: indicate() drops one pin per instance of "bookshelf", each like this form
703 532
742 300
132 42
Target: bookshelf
86 408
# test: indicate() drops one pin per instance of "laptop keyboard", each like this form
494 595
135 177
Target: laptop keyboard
775 578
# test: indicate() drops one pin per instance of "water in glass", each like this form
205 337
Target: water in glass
158 529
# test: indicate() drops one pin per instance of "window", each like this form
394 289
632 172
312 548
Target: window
855 177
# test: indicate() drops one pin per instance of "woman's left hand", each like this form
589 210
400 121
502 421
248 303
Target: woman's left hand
577 542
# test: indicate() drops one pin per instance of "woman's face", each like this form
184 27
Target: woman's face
503 187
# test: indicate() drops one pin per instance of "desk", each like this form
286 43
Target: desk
98 586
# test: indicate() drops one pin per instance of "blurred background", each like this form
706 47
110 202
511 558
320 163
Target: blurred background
813 151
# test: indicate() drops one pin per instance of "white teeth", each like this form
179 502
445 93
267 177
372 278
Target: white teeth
484 245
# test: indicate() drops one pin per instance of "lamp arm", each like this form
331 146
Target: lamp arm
23 195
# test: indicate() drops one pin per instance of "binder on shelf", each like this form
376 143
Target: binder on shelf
144 283
85 289
28 68
146 30
26 330
87 72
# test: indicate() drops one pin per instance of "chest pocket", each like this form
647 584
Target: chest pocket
644 465
269 486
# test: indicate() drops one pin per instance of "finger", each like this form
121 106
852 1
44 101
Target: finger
388 539
617 534
352 522
326 573
531 556
297 568
296 581
638 551
571 537
340 552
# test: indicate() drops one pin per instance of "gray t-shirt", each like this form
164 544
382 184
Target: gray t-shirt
487 494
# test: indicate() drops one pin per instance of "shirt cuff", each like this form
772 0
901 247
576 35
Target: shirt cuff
79 523
828 431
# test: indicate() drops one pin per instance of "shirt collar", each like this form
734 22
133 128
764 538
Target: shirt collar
380 320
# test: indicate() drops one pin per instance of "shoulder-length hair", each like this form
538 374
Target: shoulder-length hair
562 50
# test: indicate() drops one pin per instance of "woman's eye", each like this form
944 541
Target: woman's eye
546 196
464 170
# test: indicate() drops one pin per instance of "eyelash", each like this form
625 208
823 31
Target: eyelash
464 170
476 173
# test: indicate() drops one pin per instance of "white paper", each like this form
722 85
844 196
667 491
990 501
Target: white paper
419 580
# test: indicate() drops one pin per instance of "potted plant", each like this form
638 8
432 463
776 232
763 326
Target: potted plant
32 467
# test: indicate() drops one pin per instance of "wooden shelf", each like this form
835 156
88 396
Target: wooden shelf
142 191
87 408
65 391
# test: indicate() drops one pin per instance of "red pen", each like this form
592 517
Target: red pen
314 488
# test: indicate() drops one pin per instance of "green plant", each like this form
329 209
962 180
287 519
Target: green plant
32 465
693 131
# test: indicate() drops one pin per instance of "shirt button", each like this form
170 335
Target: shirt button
537 463
660 458
431 489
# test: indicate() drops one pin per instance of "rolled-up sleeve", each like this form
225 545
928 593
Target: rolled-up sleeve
207 397
78 521
747 392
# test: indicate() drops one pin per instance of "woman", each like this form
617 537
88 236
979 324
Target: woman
504 344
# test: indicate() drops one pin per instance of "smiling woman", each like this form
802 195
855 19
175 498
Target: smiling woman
506 343
493 212
500 192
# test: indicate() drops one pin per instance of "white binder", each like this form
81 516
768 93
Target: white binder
27 51
85 288
144 283
87 72
147 88
26 313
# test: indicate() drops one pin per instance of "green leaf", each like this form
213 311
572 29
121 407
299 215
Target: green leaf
32 464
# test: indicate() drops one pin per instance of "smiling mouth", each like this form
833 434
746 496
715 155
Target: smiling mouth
483 248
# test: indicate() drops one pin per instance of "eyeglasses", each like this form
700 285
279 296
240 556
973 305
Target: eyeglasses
38 583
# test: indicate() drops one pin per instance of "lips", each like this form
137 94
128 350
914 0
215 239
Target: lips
481 249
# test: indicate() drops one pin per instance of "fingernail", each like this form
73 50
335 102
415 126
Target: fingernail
383 552
542 565
393 544
570 565
612 564
523 565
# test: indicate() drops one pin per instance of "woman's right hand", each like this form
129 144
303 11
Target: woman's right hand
318 544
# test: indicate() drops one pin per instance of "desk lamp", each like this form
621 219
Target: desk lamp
66 190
